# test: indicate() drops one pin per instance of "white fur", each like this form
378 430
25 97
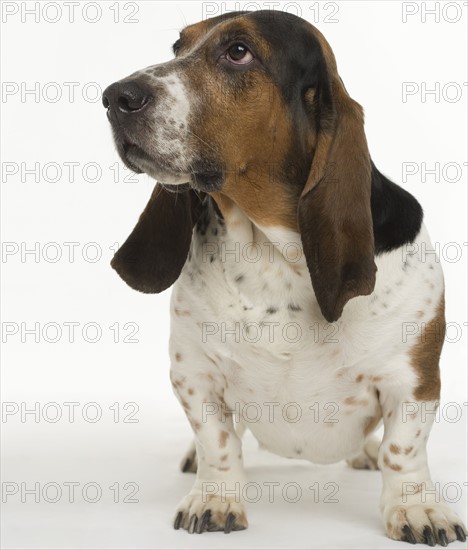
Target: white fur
169 137
279 360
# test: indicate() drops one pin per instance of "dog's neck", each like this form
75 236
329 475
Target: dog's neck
244 230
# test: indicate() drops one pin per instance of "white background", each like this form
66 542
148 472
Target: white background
377 52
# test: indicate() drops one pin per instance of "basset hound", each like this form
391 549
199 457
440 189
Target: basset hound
294 261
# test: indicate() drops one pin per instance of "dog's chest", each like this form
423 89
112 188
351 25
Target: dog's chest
301 385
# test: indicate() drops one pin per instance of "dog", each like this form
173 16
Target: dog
294 261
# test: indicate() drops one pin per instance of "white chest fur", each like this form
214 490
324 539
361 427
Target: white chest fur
245 320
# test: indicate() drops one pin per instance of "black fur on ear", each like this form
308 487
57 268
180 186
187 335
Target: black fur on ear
152 257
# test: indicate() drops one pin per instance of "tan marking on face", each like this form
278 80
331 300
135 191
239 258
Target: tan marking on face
425 356
254 112
395 449
223 437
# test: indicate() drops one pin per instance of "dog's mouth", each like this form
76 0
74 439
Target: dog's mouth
130 153
140 161
202 176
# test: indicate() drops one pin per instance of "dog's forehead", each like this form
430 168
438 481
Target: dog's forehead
267 27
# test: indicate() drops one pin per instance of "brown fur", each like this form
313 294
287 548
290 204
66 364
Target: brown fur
425 356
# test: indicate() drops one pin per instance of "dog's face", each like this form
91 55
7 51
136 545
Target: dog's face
232 77
251 109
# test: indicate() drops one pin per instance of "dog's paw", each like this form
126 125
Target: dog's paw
198 513
367 458
429 524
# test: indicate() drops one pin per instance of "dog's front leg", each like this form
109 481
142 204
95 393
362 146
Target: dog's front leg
412 507
215 501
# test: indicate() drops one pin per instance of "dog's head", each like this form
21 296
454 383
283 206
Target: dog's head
251 109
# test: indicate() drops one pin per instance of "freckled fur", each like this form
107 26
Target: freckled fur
327 364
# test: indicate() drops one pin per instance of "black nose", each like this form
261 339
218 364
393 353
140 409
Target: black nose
125 97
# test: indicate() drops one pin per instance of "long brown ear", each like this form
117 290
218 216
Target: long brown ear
152 257
334 211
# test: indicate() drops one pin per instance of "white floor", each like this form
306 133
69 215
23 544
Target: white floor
146 455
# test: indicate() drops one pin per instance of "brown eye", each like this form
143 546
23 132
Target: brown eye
239 54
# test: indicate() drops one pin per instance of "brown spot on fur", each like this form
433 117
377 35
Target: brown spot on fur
223 458
359 378
224 468
178 356
223 437
191 391
185 404
418 433
395 449
389 414
419 314
395 467
195 425
425 356
179 383
182 312
376 378
353 401
408 450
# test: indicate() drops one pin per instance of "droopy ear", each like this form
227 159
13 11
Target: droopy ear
334 212
152 257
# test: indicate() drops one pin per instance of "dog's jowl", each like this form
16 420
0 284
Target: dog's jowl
295 265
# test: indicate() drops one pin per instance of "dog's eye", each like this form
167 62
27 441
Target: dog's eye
239 54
